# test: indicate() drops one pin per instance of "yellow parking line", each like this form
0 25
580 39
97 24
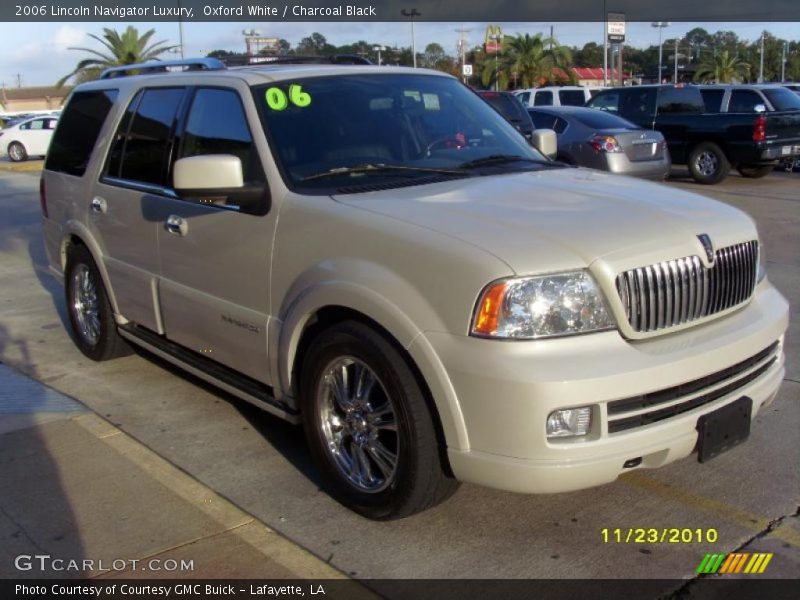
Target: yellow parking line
728 512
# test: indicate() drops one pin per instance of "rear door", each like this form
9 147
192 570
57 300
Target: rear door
215 262
124 211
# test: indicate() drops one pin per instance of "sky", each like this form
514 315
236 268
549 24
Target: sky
38 53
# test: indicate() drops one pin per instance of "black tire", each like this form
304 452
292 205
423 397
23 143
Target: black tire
419 477
708 164
756 172
17 152
90 315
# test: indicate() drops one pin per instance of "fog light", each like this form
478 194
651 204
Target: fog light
569 422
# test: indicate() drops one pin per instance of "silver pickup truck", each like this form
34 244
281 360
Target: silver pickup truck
375 253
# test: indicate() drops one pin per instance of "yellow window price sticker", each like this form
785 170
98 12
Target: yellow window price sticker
278 100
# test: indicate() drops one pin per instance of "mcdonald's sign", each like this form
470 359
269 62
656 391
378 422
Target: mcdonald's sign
493 41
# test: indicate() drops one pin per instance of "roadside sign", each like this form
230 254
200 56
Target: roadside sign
467 70
616 27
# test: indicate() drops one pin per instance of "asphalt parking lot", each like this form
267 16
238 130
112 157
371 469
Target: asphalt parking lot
748 496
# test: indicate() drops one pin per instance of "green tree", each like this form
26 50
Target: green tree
591 55
722 68
126 49
529 60
434 56
315 45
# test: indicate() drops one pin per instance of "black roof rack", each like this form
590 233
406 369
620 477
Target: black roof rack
163 66
333 59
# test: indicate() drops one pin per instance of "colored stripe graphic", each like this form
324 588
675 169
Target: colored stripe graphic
736 562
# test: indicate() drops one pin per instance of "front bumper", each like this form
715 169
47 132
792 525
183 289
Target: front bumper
506 389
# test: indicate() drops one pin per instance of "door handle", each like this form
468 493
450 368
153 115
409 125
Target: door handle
176 225
99 205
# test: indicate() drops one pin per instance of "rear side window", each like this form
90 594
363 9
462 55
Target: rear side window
524 97
147 144
712 99
560 125
571 97
543 98
217 125
782 99
744 101
77 132
674 100
542 120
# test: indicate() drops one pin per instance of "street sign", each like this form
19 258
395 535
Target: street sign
467 70
616 27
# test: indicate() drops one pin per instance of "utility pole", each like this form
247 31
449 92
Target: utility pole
412 13
462 49
180 27
19 80
761 66
660 25
605 45
675 77
783 62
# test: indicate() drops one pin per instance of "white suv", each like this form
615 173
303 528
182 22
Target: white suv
564 95
376 254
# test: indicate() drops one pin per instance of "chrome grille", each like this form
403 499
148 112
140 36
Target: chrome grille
678 291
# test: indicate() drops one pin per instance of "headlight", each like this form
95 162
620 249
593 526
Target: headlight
542 306
762 264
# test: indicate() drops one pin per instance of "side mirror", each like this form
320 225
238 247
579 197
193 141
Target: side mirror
546 142
759 108
218 179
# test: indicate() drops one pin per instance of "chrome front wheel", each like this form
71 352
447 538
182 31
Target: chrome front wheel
369 426
357 420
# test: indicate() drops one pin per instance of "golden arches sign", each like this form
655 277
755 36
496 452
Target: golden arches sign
493 40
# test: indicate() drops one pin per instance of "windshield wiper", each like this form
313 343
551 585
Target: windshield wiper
369 168
496 159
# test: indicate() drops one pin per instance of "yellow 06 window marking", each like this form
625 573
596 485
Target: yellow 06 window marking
278 100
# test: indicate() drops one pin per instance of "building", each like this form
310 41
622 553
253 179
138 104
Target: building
592 76
32 99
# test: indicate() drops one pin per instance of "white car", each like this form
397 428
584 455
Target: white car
29 138
563 95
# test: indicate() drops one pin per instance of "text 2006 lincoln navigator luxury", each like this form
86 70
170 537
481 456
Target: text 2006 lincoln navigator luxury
376 254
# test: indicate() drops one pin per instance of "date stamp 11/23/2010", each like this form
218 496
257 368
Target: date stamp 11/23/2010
659 535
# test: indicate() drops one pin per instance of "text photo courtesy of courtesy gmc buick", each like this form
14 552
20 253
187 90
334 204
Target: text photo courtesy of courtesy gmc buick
376 254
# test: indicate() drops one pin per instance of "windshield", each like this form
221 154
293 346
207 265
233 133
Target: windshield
332 132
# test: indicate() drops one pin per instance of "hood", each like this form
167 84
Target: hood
560 219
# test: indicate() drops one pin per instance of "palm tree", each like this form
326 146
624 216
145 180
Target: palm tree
530 60
126 49
722 68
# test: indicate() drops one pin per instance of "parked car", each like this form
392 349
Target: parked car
567 95
27 138
378 255
599 140
795 87
511 109
709 143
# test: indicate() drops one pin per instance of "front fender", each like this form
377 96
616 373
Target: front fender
390 307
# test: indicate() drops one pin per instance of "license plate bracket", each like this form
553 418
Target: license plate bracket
724 428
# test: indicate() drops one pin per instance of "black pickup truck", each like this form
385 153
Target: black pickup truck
710 143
